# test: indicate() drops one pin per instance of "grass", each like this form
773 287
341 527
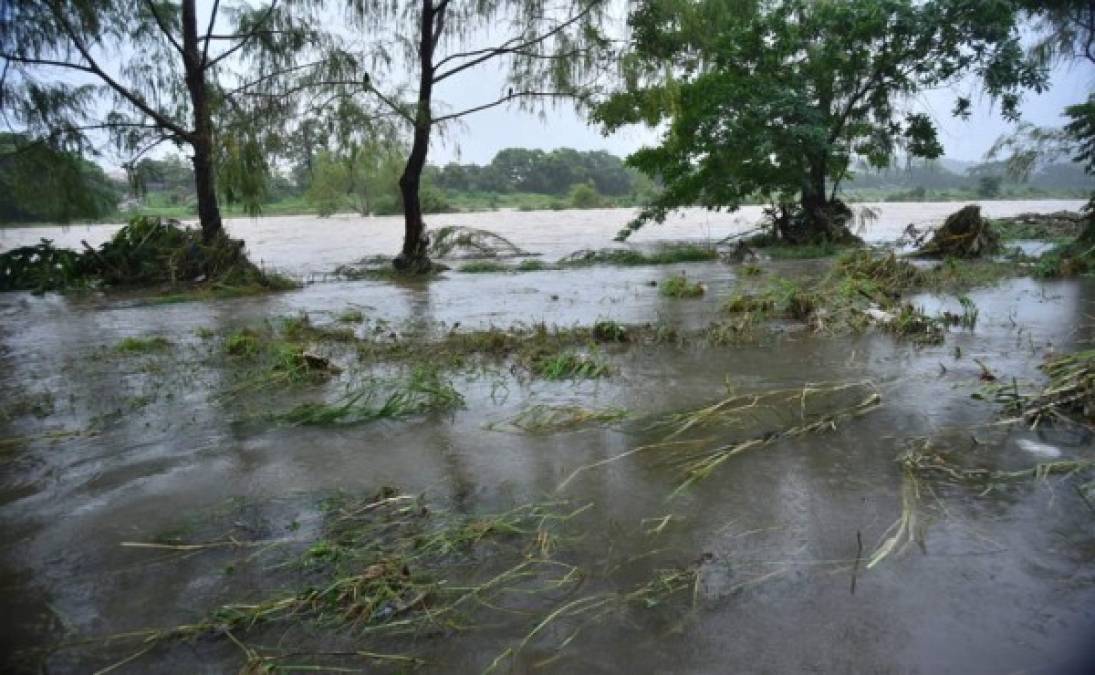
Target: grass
391 566
745 422
782 251
424 391
532 265
484 267
545 419
569 365
143 345
350 316
1068 398
680 287
609 331
664 255
968 317
243 342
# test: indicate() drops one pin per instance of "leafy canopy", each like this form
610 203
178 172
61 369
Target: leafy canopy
774 99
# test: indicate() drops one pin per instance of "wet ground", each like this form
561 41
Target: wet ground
102 447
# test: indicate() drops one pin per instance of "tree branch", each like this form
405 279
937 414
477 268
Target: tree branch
247 37
128 95
46 62
487 54
209 31
505 99
163 26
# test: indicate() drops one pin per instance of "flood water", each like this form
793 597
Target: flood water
101 447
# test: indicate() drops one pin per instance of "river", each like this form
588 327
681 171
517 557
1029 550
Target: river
102 447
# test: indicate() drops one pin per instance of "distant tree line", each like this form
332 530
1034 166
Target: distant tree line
552 172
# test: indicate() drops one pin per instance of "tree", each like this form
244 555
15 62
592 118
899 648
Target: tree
548 51
154 71
38 183
775 99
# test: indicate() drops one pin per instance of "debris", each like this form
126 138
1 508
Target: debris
964 234
467 243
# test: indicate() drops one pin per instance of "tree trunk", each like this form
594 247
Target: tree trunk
201 139
413 258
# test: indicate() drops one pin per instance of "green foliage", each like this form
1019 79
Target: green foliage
143 345
362 178
585 196
41 267
40 182
146 252
66 86
609 331
772 100
483 266
680 287
569 365
424 391
242 343
664 255
551 172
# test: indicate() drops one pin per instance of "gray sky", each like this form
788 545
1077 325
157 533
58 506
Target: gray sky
485 133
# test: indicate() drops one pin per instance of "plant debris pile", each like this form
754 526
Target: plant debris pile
146 252
964 234
467 243
392 571
1069 397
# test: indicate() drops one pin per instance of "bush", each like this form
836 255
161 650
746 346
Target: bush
585 196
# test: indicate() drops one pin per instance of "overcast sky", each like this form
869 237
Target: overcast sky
485 133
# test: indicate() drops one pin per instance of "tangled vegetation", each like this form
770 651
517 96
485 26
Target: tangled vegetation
148 252
391 569
680 287
423 391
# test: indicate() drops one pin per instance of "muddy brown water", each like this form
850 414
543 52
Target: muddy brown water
1003 582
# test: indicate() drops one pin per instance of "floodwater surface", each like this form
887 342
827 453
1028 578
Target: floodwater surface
102 446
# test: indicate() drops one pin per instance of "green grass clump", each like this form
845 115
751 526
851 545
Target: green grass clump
664 255
912 323
609 331
424 391
243 342
483 267
680 287
531 265
783 251
350 316
1067 260
750 270
953 274
569 365
143 345
543 419
968 317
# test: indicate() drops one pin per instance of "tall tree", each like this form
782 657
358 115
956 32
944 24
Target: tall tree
146 72
548 50
774 99
1065 32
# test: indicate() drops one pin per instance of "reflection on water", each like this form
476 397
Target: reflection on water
137 446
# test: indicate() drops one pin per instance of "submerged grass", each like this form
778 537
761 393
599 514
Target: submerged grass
665 255
424 391
1068 398
813 408
484 266
680 287
923 465
569 365
545 419
387 567
143 345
